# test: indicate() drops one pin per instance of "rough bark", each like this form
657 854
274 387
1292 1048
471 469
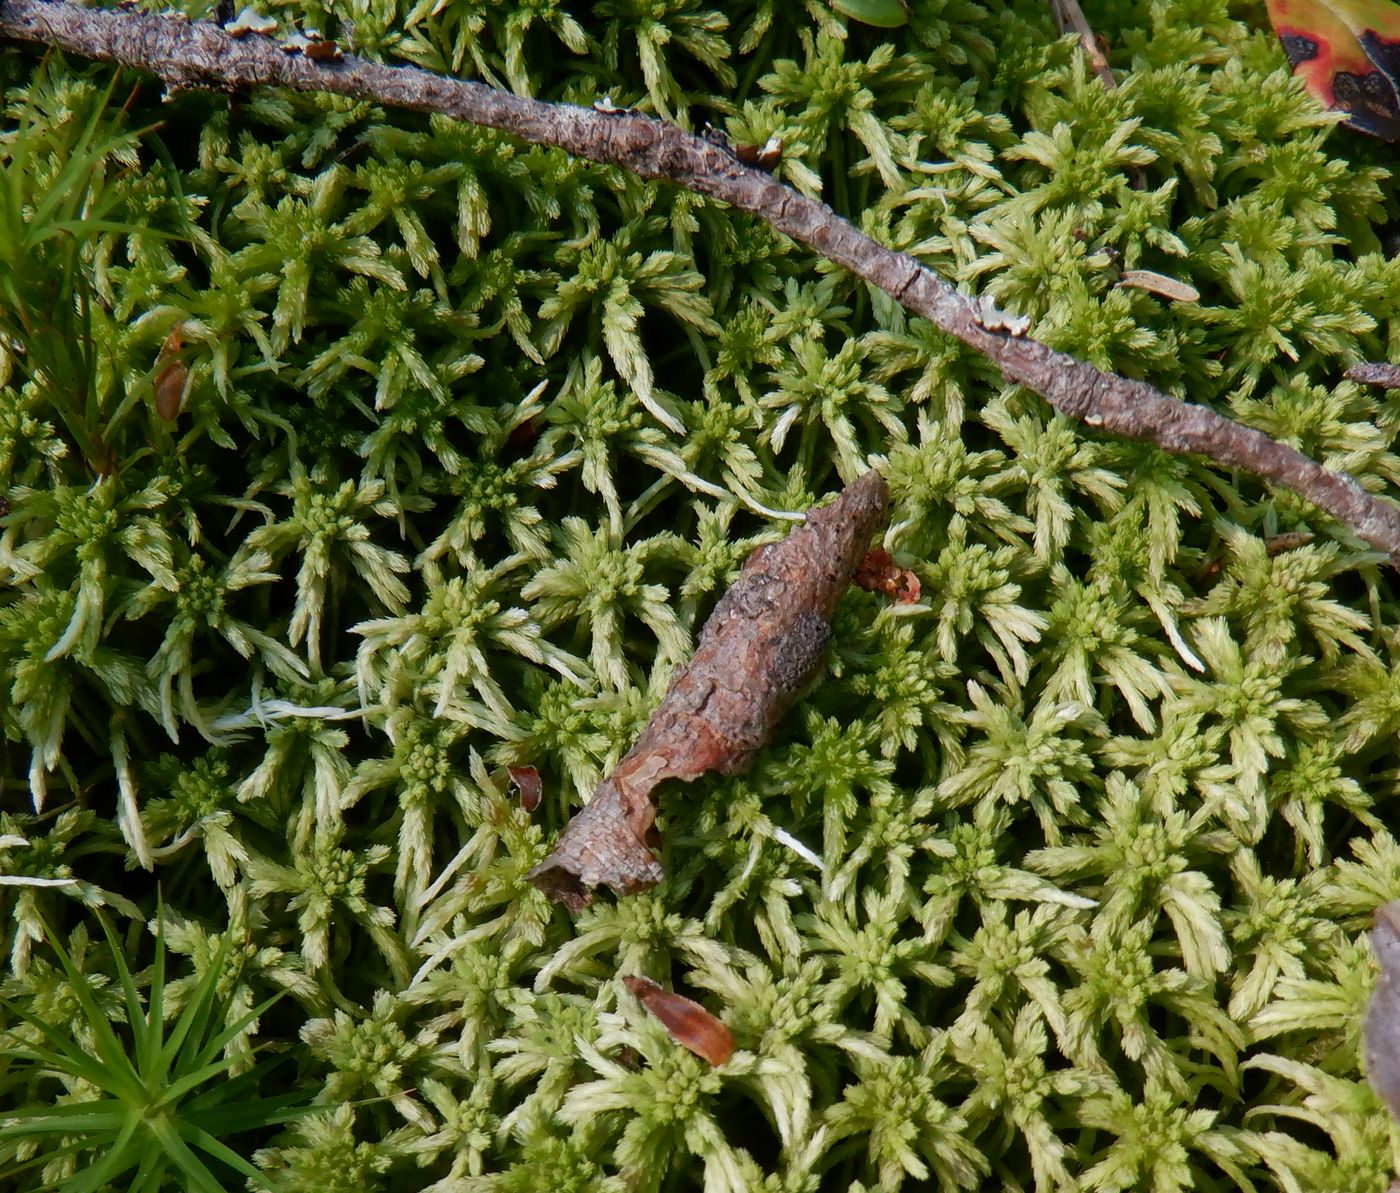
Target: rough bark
202 54
762 644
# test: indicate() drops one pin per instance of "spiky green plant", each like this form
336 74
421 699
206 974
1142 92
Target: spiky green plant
54 205
142 1096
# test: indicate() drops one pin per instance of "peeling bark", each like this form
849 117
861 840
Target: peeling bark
762 644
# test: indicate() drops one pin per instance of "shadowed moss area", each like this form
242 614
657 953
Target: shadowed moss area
1102 818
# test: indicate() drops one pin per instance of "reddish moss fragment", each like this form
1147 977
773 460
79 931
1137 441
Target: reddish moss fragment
762 644
878 572
689 1023
528 783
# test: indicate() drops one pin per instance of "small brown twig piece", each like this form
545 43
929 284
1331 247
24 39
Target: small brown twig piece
1384 375
757 651
201 54
1070 18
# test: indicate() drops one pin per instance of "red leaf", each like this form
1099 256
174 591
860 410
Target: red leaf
688 1022
1347 53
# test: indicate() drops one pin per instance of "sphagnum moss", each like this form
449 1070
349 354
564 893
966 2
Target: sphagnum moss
475 435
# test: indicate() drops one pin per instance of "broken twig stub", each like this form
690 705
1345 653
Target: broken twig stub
760 646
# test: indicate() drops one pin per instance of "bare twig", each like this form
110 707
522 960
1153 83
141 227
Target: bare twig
1384 375
1070 18
201 54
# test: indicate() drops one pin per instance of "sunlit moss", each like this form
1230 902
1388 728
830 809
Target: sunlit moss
1060 875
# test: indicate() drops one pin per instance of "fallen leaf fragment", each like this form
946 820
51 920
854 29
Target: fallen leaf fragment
170 382
689 1023
1289 540
170 389
1159 283
527 782
1381 1032
764 641
878 572
1347 54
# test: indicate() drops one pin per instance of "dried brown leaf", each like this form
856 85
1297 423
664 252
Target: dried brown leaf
170 389
689 1023
1161 284
527 782
878 572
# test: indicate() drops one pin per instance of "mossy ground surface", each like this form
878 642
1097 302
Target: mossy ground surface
1102 818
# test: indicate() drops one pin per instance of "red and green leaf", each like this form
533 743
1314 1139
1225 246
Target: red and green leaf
1347 52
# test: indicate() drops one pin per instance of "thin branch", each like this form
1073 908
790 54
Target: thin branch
1383 375
202 55
1070 18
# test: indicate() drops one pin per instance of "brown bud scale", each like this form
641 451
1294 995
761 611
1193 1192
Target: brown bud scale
689 1023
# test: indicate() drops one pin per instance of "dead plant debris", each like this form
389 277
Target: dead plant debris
759 648
689 1024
